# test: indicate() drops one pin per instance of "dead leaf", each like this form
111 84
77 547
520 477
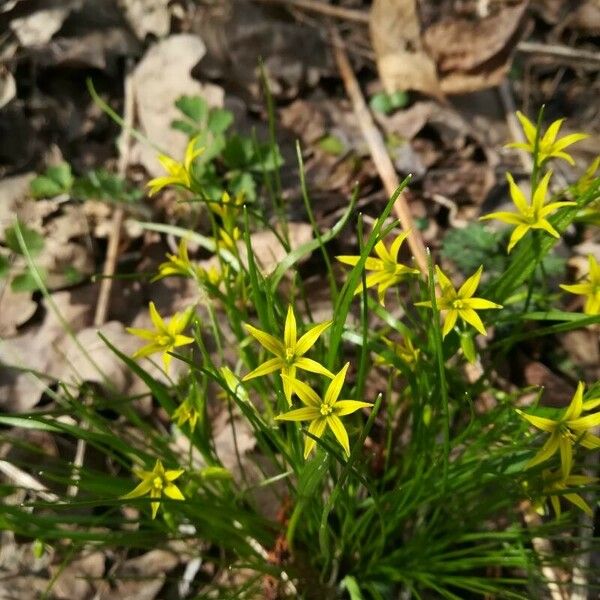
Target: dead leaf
15 309
147 16
161 77
474 54
76 581
38 28
8 86
402 60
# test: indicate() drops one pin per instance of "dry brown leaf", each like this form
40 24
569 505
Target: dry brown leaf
76 581
15 309
147 16
402 61
8 86
160 78
38 28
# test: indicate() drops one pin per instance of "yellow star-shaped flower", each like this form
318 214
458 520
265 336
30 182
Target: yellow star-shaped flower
548 146
529 216
166 337
156 483
555 484
387 271
178 264
567 431
323 413
460 303
178 173
590 287
289 355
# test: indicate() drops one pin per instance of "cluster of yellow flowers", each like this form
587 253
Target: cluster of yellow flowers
384 271
567 433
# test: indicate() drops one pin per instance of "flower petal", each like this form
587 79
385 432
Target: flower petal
308 340
572 138
346 407
339 431
539 196
518 232
566 455
551 133
467 289
443 279
540 422
590 441
516 194
290 332
306 413
471 317
576 405
481 304
156 319
173 492
304 392
271 365
579 502
584 423
449 322
397 244
308 364
505 217
266 340
529 128
335 387
382 252
140 490
316 428
547 450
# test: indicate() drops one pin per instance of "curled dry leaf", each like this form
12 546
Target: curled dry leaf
147 16
8 86
160 78
38 28
402 60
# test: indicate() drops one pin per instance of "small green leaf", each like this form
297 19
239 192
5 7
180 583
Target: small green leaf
219 120
34 242
55 181
193 107
27 282
399 99
103 185
332 145
381 103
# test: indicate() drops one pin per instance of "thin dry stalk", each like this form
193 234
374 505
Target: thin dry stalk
378 151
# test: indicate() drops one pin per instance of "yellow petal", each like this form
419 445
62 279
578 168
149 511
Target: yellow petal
308 340
551 133
481 304
576 405
568 140
316 428
545 225
266 340
579 502
529 128
540 422
547 450
269 366
307 364
304 392
443 280
566 455
397 244
290 332
140 490
339 431
156 319
173 492
335 387
346 407
471 317
145 334
306 413
517 235
505 217
539 196
467 289
517 195
382 252
584 423
449 322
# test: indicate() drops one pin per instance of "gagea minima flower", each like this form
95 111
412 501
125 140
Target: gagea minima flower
289 355
323 413
528 216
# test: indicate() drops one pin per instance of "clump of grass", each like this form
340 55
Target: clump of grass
409 487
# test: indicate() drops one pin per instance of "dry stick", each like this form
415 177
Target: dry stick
378 151
112 251
337 12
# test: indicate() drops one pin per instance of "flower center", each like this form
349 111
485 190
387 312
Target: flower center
164 340
326 409
458 303
157 483
289 355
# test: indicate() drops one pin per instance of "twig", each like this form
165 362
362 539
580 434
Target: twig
516 133
337 12
378 151
558 51
25 480
111 254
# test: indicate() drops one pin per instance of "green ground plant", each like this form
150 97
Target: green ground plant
422 482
